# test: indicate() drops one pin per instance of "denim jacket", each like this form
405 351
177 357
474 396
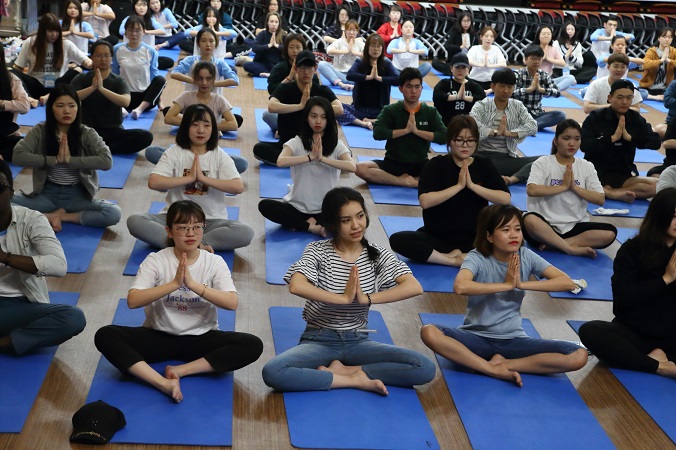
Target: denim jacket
29 234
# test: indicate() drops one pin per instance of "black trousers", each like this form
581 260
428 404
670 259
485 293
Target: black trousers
268 151
151 94
123 142
35 89
224 350
286 215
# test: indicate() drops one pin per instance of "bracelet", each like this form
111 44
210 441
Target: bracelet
309 159
369 297
204 290
6 261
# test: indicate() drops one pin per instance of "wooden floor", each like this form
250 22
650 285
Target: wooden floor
259 417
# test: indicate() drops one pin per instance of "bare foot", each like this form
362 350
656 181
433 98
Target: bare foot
408 180
366 119
345 86
265 75
622 196
510 180
456 257
172 388
43 99
55 220
338 368
171 373
658 355
501 372
317 229
582 251
363 382
276 134
125 113
34 103
667 369
135 113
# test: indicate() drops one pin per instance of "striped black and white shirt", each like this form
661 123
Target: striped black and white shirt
322 267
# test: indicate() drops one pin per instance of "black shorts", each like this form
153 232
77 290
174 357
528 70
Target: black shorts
614 179
398 168
579 228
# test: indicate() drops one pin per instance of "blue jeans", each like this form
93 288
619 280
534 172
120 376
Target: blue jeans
35 325
564 82
74 199
424 69
518 347
155 152
549 119
331 74
296 369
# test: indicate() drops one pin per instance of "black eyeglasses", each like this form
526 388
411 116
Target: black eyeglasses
4 187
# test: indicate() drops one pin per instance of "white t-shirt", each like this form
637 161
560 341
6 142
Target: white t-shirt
667 178
312 180
81 42
135 65
407 59
562 211
100 25
218 104
177 162
599 90
182 312
27 59
343 63
476 56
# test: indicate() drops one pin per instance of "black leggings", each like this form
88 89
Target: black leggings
418 245
225 351
123 142
268 151
286 215
620 346
35 89
7 144
151 94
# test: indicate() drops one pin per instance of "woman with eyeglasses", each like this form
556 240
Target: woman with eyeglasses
180 288
196 169
452 190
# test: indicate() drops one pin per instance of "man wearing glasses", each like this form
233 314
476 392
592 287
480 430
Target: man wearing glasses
29 251
503 124
103 95
408 126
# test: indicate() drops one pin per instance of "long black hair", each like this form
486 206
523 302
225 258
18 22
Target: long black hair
5 77
334 200
65 22
365 66
457 26
147 18
652 234
560 128
217 14
330 136
51 126
48 22
563 35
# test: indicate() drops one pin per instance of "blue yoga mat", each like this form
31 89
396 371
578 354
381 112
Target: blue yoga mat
282 248
624 234
648 156
538 145
596 272
144 121
33 117
79 244
16 170
547 413
559 102
426 95
337 90
519 196
653 392
225 135
116 177
274 181
391 195
260 83
432 277
170 52
360 137
656 105
636 209
265 134
204 417
350 418
141 249
24 376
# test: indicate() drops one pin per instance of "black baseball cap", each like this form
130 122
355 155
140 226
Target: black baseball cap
96 423
306 58
459 59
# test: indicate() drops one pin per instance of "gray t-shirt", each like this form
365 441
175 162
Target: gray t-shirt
498 315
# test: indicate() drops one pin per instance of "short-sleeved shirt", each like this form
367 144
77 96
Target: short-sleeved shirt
599 90
322 267
99 24
218 104
97 110
498 315
81 42
407 59
290 94
26 59
138 66
449 86
458 214
563 210
177 162
476 56
182 312
312 180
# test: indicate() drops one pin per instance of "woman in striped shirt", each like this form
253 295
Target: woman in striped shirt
340 278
